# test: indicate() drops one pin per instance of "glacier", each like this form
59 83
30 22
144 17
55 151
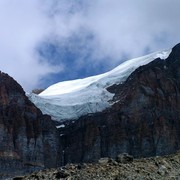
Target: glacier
69 100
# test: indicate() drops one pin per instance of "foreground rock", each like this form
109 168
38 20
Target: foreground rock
124 158
28 139
150 168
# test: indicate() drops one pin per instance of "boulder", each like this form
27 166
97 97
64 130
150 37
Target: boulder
124 158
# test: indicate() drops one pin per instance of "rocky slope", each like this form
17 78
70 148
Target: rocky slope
144 120
167 167
28 139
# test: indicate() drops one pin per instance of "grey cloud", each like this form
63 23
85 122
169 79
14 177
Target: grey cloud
125 27
23 26
119 29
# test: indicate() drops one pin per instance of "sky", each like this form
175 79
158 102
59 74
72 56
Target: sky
46 41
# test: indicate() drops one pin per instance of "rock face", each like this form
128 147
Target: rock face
28 139
144 120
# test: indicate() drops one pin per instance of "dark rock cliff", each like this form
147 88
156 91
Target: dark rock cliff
144 121
28 139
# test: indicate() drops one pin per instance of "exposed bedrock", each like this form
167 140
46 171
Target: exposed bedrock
144 121
28 139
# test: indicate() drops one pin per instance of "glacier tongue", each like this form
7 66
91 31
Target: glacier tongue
72 99
73 105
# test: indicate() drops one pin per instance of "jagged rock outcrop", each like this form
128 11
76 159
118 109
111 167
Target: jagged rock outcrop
144 121
28 139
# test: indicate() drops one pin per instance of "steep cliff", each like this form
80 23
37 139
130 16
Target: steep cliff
143 121
28 139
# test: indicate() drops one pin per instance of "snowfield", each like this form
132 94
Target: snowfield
71 99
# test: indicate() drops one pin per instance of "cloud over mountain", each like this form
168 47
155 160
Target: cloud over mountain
97 33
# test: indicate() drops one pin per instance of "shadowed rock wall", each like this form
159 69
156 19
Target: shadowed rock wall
144 121
28 139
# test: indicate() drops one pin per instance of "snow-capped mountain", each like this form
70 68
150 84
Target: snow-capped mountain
72 99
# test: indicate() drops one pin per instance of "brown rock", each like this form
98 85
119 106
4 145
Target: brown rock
28 140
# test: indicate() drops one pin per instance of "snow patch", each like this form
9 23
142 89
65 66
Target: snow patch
71 99
61 126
